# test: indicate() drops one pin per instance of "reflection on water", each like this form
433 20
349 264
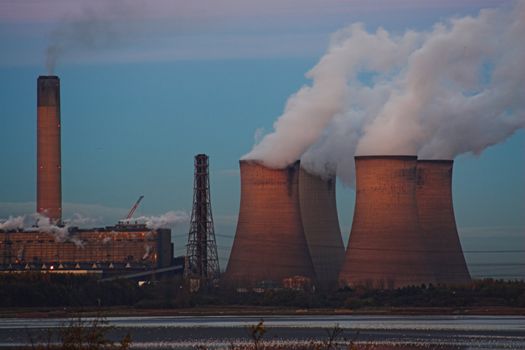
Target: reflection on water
296 332
355 322
277 345
298 345
316 344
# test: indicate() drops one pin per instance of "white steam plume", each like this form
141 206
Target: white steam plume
167 220
456 89
13 223
147 251
308 111
40 223
461 91
81 220
61 233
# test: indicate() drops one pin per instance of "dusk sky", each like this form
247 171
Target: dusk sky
146 85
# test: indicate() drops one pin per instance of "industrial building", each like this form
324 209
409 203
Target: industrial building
110 248
118 249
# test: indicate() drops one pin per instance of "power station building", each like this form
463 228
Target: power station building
108 248
403 232
113 249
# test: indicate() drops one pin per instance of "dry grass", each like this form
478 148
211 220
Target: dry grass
80 335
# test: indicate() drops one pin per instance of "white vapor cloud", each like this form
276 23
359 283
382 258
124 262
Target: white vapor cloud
12 223
79 214
309 111
61 233
83 216
455 89
461 91
166 220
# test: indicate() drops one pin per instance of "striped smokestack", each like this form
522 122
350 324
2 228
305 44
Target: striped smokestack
386 248
321 227
436 218
49 191
269 242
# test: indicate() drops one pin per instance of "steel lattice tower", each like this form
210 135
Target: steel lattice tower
202 258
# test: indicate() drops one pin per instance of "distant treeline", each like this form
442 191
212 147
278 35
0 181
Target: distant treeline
33 289
479 293
36 289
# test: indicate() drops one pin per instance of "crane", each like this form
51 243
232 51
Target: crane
132 211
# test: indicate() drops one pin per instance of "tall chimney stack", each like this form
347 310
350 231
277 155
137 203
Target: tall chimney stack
437 221
386 248
269 242
49 188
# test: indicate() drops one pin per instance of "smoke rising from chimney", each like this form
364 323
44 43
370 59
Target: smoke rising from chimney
455 89
94 28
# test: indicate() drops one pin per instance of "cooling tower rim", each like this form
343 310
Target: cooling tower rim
324 176
48 77
261 164
445 161
386 157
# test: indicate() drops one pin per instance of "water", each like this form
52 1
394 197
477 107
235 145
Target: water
385 332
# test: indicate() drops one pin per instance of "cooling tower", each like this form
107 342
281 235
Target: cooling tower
386 248
321 227
269 242
436 218
49 192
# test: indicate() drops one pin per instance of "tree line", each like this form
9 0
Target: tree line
62 290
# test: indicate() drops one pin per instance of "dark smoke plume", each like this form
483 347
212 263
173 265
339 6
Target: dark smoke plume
95 28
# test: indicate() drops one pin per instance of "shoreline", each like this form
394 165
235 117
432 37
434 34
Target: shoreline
386 332
54 312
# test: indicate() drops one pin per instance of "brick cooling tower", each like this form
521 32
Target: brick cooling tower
436 218
269 243
49 191
321 227
386 248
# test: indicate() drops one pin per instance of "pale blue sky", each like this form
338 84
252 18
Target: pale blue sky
172 80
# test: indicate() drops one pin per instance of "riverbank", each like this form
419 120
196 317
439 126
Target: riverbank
386 332
49 312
